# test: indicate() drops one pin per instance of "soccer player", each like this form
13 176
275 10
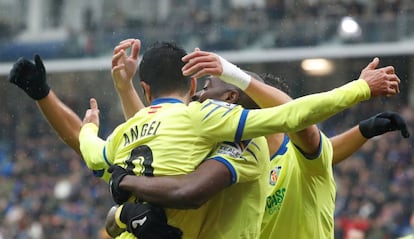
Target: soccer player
199 126
180 192
241 165
163 190
301 196
300 202
31 78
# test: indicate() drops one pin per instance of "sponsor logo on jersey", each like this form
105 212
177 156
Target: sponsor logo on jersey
274 201
232 149
229 149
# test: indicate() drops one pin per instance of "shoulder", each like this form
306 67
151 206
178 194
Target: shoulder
212 103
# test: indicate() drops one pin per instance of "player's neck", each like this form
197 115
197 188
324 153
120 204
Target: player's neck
185 99
274 141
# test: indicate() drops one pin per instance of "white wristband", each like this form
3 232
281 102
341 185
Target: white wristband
234 75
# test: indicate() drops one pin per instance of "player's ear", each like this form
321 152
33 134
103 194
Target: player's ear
232 96
147 91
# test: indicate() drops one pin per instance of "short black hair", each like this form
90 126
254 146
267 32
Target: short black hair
160 68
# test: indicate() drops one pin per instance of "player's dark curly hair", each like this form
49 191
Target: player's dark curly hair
160 68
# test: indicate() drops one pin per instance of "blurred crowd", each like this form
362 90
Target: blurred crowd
223 25
47 191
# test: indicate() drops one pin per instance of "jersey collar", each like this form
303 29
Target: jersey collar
165 100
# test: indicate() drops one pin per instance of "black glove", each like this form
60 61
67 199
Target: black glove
117 174
146 221
30 77
382 123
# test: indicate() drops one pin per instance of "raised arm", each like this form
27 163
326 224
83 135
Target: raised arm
381 82
31 78
63 120
123 71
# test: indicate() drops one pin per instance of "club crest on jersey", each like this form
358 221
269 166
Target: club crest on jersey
274 175
223 104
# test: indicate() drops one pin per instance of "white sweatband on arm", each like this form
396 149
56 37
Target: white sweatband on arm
234 75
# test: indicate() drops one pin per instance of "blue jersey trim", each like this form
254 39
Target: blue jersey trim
229 167
319 150
165 100
282 149
240 127
106 158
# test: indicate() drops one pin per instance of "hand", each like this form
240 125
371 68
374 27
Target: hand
30 77
119 195
382 81
382 123
111 226
124 67
92 114
202 63
146 221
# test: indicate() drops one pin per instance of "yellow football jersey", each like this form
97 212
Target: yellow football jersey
171 138
300 200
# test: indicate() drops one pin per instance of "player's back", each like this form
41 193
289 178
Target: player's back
167 139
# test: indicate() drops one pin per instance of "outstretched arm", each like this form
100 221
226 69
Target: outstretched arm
307 139
381 81
63 120
264 95
31 78
345 144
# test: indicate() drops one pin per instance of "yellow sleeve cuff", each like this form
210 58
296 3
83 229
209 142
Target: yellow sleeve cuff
118 217
363 85
89 128
91 147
